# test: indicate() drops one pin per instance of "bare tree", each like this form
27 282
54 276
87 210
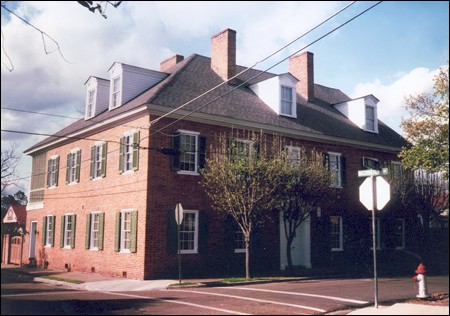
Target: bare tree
10 160
305 182
241 179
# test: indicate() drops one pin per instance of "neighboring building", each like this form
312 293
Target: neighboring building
13 229
104 189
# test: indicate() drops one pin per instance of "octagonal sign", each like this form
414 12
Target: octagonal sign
383 193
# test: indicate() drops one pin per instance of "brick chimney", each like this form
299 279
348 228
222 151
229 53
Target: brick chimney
223 53
169 62
302 67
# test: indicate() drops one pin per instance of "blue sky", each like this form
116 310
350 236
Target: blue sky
392 51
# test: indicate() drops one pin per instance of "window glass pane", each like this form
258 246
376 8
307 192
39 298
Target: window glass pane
126 230
188 232
370 118
188 148
286 100
336 232
335 170
94 230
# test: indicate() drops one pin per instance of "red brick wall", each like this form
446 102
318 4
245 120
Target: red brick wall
109 195
165 188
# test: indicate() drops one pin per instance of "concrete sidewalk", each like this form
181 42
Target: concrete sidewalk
97 282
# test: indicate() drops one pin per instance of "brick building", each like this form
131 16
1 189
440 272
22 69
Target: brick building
104 189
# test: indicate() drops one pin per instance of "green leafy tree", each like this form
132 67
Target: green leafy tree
242 181
305 182
427 128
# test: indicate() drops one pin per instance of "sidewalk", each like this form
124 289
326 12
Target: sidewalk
97 282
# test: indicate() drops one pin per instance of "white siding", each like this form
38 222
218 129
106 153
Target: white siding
269 91
134 80
101 101
355 110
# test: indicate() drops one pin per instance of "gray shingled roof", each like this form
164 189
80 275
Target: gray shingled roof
193 76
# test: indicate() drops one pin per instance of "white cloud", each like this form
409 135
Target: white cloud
392 95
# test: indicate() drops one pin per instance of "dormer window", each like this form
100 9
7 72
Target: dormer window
279 93
361 111
370 118
115 93
286 106
90 106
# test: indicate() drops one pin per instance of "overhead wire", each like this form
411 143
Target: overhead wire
220 96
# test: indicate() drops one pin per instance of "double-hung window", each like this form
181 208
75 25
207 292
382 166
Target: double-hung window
336 167
98 160
53 171
90 107
370 118
129 152
294 154
286 105
189 152
73 166
337 239
189 232
126 231
400 233
241 148
239 241
48 231
94 231
116 93
68 230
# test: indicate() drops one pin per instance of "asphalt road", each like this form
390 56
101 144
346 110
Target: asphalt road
20 295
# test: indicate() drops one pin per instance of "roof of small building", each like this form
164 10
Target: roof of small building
193 76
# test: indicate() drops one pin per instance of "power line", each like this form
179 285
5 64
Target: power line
264 71
247 69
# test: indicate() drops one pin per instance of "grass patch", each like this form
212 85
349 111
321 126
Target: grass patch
183 284
241 280
61 279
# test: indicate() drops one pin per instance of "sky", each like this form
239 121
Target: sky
392 51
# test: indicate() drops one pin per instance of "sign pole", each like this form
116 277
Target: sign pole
179 256
374 243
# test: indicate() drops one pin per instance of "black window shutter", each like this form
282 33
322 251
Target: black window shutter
69 155
136 140
91 169
202 152
172 233
101 225
44 230
78 166
343 171
74 230
62 230
133 231
175 152
203 231
57 171
48 172
104 152
117 235
229 238
87 243
121 153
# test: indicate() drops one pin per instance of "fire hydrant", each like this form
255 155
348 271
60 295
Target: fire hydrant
422 282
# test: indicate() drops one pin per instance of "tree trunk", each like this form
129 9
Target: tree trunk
288 253
247 259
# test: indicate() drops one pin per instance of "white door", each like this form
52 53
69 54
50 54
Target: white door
300 248
33 229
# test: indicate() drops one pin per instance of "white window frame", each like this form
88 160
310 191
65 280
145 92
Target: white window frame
94 231
194 250
401 234
128 152
247 144
294 154
73 166
340 233
98 154
90 106
68 226
125 233
335 181
184 154
284 100
372 121
367 160
53 171
239 240
49 230
116 92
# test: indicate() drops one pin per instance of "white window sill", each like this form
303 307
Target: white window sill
192 173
